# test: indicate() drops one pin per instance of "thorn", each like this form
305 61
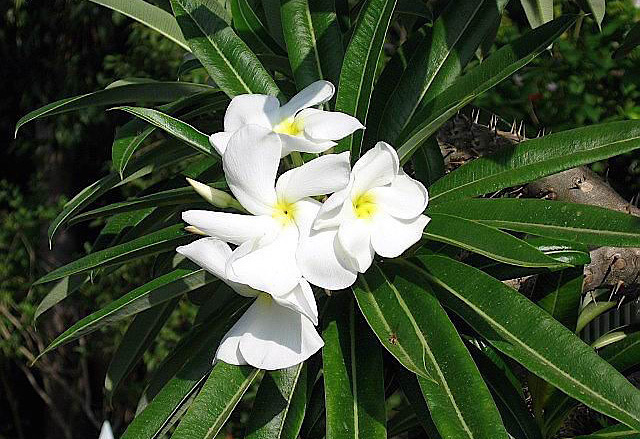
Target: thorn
475 120
520 130
50 244
513 127
539 134
620 302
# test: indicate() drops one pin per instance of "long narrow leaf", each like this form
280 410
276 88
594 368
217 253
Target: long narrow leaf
537 158
572 222
251 29
526 333
153 243
280 403
149 15
438 60
314 41
141 332
353 375
497 67
538 12
231 64
215 402
181 130
487 241
149 92
459 408
159 290
359 67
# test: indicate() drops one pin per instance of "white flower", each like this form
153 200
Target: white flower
277 331
265 258
300 127
380 211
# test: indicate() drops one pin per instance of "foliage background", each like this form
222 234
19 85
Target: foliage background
64 48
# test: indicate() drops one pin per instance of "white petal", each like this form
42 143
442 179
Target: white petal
251 109
328 125
319 262
304 144
300 299
404 198
267 264
333 210
250 165
314 94
390 236
212 255
220 140
319 176
229 349
316 255
276 337
377 167
106 432
230 227
354 236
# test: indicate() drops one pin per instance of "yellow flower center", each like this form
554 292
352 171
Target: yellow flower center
365 205
284 212
265 298
290 126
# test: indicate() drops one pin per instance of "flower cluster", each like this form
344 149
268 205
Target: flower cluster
287 239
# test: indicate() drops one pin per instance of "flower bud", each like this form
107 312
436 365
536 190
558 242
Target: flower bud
214 196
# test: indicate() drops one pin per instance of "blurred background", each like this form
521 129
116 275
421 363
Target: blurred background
61 48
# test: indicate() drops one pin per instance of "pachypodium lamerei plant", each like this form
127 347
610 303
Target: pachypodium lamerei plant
340 266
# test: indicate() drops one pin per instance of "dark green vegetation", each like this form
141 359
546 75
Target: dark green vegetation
458 330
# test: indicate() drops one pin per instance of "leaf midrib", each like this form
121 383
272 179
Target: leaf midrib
215 47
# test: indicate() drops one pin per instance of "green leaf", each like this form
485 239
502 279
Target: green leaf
514 411
177 128
251 29
141 332
151 244
619 431
597 8
459 408
591 311
630 42
162 411
131 135
149 15
561 293
149 92
538 12
529 335
215 402
273 18
438 61
159 290
171 197
411 389
624 354
572 222
486 240
493 70
228 60
532 159
314 41
359 67
353 374
166 155
428 162
280 404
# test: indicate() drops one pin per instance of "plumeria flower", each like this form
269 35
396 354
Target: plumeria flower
299 127
277 331
267 239
380 211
